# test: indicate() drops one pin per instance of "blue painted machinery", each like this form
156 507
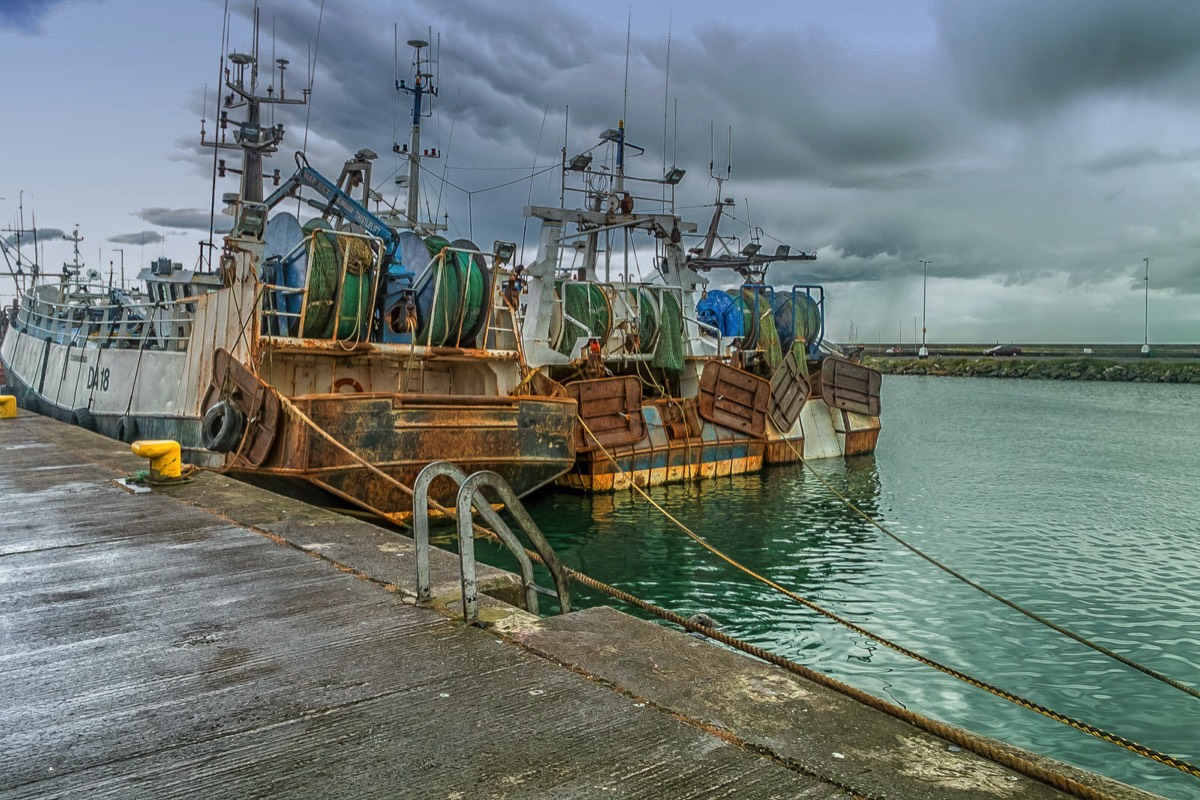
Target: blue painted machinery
797 315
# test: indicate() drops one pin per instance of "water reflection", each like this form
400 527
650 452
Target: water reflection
781 523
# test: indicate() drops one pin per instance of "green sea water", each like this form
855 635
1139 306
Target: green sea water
1078 500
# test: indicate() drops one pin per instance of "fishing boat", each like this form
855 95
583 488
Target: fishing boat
326 345
344 352
676 377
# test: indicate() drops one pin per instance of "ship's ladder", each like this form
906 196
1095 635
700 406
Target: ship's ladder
504 326
470 496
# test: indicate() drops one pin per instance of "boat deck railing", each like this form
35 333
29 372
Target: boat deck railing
106 319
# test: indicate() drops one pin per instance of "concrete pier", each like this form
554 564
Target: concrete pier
215 640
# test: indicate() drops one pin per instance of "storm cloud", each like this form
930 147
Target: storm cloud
1016 145
1017 58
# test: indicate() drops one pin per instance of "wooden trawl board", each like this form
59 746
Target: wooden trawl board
850 387
734 399
789 392
611 408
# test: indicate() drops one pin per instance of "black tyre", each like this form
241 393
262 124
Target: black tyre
222 428
127 430
6 389
84 419
30 403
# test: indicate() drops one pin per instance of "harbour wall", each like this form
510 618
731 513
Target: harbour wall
1059 369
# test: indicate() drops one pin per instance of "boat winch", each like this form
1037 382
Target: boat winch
761 317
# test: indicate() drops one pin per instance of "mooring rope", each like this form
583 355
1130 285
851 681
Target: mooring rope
1092 730
987 748
1099 648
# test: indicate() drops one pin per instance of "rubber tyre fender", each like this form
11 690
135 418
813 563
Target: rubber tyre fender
30 402
127 430
84 419
222 428
6 389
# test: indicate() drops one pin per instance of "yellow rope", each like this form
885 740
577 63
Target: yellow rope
1079 725
1092 730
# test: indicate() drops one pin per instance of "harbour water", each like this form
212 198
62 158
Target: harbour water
1077 500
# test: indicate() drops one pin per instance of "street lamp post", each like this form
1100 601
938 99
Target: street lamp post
1146 336
122 252
924 351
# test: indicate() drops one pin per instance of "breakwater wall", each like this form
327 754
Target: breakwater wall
1058 369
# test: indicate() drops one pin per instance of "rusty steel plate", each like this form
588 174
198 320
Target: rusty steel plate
612 410
850 386
789 393
734 399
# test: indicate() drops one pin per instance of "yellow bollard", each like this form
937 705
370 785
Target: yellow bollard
8 406
165 464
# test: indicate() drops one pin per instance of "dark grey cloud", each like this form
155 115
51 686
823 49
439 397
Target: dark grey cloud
195 219
30 236
801 104
1018 58
1023 141
141 237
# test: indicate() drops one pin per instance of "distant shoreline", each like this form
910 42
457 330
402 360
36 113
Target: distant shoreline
1060 369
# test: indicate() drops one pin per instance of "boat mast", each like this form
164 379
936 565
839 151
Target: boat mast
249 136
423 86
73 269
240 257
710 238
14 244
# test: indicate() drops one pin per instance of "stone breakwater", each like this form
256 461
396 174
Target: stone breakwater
1051 369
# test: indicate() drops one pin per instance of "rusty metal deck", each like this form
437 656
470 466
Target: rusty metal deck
214 640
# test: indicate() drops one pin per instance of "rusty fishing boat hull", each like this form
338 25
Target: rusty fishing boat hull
368 447
400 434
738 423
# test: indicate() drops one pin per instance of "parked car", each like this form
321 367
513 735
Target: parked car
895 350
1003 350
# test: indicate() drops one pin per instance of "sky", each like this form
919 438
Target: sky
1035 154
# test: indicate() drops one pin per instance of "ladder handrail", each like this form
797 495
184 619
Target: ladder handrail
470 495
466 546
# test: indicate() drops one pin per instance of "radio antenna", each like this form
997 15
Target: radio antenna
628 33
666 103
729 154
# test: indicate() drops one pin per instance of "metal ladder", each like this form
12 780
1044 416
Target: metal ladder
470 495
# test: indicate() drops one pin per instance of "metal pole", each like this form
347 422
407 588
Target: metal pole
924 351
122 252
1146 338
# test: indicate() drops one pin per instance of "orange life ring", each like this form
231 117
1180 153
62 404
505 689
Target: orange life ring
341 383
